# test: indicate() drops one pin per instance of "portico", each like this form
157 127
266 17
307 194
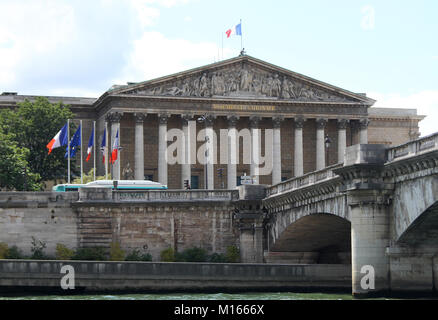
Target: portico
287 116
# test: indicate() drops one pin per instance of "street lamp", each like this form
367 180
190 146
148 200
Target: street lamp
327 142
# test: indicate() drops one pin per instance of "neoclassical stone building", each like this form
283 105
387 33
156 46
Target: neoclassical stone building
310 122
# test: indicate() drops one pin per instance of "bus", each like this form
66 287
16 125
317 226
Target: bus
121 185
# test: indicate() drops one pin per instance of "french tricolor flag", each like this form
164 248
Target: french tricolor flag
60 139
90 146
236 30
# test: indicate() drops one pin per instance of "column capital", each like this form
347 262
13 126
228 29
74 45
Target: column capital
232 120
321 123
254 121
113 116
363 123
209 119
276 121
186 117
342 123
163 117
139 117
299 122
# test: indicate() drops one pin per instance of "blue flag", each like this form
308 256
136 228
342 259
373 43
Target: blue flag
74 143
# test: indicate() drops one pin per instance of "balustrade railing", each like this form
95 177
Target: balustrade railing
304 180
413 148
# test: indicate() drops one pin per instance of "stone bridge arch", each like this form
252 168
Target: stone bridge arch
313 238
414 207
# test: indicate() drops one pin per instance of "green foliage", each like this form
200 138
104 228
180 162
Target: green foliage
192 255
167 255
135 255
92 254
15 171
3 250
37 249
25 132
63 253
217 258
233 254
89 177
116 253
14 253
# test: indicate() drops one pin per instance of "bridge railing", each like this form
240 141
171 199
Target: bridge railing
304 180
413 148
175 195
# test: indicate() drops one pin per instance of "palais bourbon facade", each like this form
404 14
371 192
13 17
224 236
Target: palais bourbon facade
231 96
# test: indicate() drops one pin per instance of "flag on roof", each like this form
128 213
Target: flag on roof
236 30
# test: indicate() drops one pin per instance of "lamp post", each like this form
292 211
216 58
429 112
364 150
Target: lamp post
327 143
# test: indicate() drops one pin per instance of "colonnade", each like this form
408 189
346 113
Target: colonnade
232 143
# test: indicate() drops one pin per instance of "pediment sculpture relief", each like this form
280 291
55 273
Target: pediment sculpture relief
245 81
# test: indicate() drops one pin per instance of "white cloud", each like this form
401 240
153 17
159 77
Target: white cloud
31 28
426 103
154 55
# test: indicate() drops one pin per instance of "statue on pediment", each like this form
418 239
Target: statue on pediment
244 80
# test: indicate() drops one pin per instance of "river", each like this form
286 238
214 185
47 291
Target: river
195 296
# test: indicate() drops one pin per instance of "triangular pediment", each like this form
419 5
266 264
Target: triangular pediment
243 77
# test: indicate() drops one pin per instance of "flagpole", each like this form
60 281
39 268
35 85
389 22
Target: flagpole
241 36
80 124
222 34
94 150
106 151
68 149
118 150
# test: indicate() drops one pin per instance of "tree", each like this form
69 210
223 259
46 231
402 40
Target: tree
31 126
15 173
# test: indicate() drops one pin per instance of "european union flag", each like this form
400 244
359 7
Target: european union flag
74 143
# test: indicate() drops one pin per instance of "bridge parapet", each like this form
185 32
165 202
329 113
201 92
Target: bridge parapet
413 148
303 181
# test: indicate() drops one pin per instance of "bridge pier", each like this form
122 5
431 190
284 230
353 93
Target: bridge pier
250 215
369 241
368 199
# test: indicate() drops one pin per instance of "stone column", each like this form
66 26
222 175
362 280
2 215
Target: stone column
298 151
139 146
276 148
209 119
115 127
162 148
363 131
186 172
342 139
255 148
320 147
233 154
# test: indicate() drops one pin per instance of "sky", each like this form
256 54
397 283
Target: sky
387 48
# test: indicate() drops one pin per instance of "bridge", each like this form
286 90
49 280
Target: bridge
378 208
380 205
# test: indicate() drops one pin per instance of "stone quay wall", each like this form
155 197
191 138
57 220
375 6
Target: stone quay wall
28 275
150 221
